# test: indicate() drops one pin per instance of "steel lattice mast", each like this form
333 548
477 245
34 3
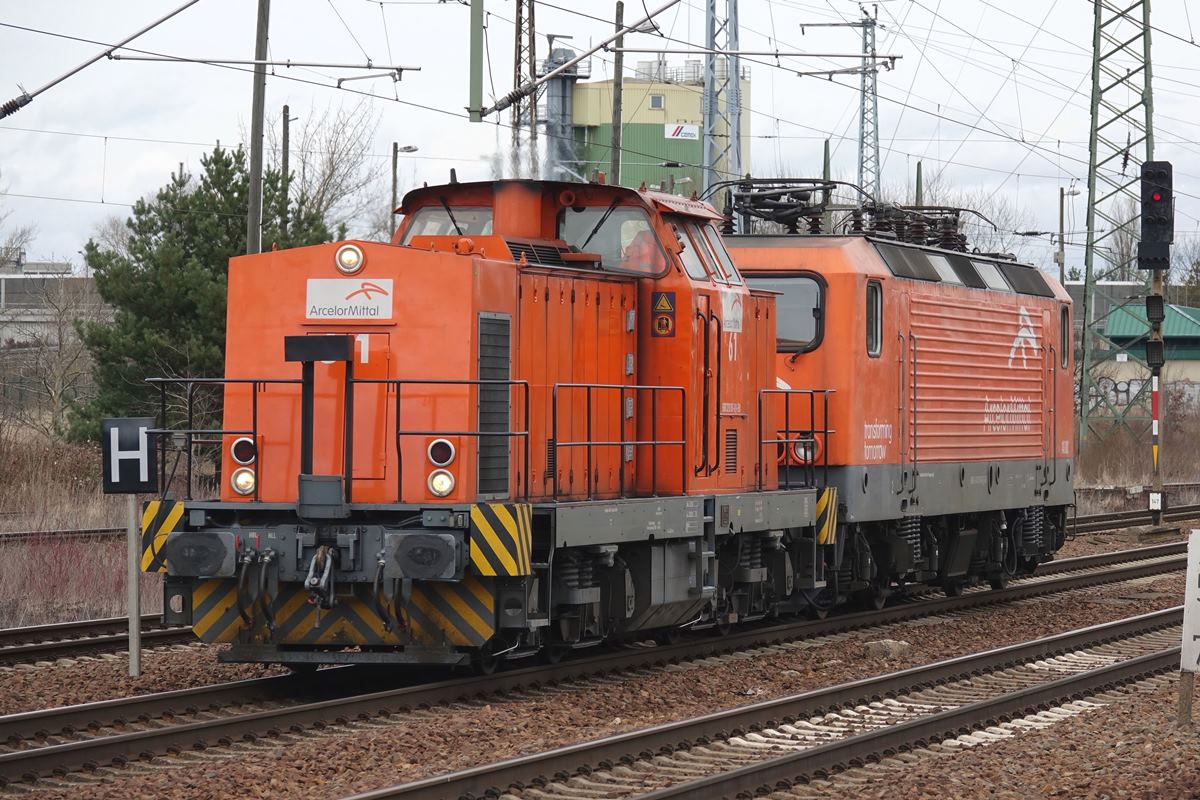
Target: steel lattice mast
868 114
722 142
524 117
1122 136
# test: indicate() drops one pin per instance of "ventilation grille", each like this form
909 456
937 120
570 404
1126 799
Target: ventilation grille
495 343
535 253
731 454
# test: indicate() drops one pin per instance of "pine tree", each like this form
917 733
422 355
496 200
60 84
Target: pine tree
168 291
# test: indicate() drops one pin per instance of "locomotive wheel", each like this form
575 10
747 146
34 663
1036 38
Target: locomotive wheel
723 628
999 583
820 602
302 669
485 663
669 636
875 598
953 588
553 655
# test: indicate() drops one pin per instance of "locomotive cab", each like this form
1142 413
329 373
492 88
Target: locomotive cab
952 389
542 417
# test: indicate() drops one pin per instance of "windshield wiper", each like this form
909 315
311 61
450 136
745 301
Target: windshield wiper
603 219
450 214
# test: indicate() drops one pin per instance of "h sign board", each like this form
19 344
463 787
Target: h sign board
129 460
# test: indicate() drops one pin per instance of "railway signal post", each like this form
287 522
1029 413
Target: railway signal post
129 467
1154 254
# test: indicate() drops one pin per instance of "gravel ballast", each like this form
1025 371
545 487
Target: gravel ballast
1129 748
347 759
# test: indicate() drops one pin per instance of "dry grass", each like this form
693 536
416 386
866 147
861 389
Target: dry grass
56 486
56 580
52 484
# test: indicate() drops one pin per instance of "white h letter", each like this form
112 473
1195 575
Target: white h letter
142 454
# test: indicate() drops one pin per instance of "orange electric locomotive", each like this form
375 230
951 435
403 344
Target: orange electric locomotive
951 378
544 416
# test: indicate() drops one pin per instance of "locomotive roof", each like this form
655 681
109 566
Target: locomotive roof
660 201
912 261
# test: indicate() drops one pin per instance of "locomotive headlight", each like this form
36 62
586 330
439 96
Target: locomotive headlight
243 481
441 482
349 259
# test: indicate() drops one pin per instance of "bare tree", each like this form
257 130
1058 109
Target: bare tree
332 166
112 233
45 365
1119 248
13 238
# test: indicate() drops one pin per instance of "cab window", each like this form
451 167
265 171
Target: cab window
689 255
717 244
621 235
1064 335
710 258
874 319
799 317
458 221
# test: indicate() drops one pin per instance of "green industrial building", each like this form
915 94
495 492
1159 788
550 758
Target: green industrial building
663 116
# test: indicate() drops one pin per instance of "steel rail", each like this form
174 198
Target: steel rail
18 537
18 644
31 762
1089 523
479 781
778 773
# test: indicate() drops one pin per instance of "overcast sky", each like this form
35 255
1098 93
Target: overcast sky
993 92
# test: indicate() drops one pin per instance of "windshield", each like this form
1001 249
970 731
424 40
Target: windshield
798 316
434 221
622 237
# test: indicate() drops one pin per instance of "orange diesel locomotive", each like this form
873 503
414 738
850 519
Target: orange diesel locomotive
545 415
952 387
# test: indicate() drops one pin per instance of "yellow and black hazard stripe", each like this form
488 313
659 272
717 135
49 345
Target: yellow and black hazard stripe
159 519
461 613
827 516
351 621
502 538
214 610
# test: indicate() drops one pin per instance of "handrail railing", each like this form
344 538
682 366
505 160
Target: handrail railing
815 436
653 442
521 485
190 433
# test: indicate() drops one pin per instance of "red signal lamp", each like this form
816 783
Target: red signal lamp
1156 197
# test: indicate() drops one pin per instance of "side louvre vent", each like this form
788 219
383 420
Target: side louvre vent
536 252
495 363
731 453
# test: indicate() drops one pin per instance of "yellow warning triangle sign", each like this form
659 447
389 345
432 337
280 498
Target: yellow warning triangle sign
663 303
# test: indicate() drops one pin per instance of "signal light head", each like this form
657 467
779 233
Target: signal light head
1156 197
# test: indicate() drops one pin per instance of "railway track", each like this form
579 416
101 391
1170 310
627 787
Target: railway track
44 742
87 534
84 637
773 745
1130 519
1082 524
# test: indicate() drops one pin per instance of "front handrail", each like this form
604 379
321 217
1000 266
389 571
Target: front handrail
190 433
788 437
520 489
653 442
